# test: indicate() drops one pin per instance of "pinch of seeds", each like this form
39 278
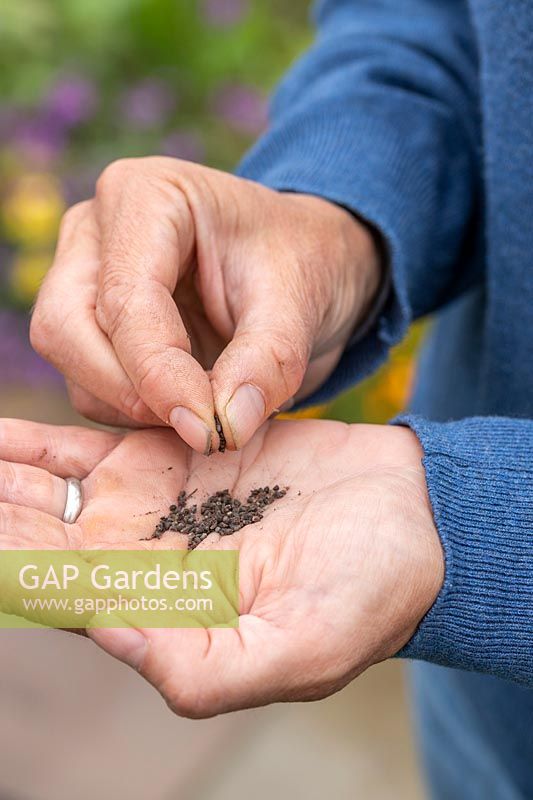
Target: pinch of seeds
222 438
220 513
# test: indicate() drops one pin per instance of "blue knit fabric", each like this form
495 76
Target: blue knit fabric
380 116
480 480
418 116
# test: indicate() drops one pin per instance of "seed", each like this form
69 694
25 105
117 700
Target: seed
220 513
222 438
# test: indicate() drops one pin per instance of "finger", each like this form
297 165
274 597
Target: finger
263 366
67 451
35 488
150 341
93 408
146 247
28 529
64 329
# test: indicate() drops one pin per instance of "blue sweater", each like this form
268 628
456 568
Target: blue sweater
418 116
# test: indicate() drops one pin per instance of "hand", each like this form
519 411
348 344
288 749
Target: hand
335 578
128 482
180 290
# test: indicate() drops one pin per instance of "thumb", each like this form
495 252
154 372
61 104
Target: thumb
262 367
200 672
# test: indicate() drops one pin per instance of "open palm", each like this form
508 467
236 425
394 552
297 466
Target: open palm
335 577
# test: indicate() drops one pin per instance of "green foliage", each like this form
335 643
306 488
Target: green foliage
170 58
154 77
117 41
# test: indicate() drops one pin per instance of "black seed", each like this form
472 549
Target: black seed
222 438
220 513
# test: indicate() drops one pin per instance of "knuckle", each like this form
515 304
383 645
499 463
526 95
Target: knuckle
8 483
115 174
14 486
290 360
131 404
113 304
127 169
116 280
73 216
149 373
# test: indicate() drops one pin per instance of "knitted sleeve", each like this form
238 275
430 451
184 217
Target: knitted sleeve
480 479
380 116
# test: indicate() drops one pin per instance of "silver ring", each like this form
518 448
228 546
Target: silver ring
74 501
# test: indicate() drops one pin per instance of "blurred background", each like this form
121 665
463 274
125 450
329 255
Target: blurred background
81 84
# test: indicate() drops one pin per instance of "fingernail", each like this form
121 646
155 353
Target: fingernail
191 429
127 644
245 412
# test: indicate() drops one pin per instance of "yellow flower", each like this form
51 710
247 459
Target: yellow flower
32 210
27 274
398 382
390 392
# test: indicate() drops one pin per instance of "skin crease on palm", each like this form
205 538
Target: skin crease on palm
336 576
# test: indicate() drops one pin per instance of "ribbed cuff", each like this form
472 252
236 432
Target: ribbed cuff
480 480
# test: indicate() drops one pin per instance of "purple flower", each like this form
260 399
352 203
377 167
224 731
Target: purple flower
18 362
242 107
148 104
9 119
73 100
40 139
185 145
224 13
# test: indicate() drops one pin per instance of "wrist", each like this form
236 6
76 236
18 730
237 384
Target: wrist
375 275
410 537
354 260
428 577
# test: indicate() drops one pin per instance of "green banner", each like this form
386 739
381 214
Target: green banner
119 588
